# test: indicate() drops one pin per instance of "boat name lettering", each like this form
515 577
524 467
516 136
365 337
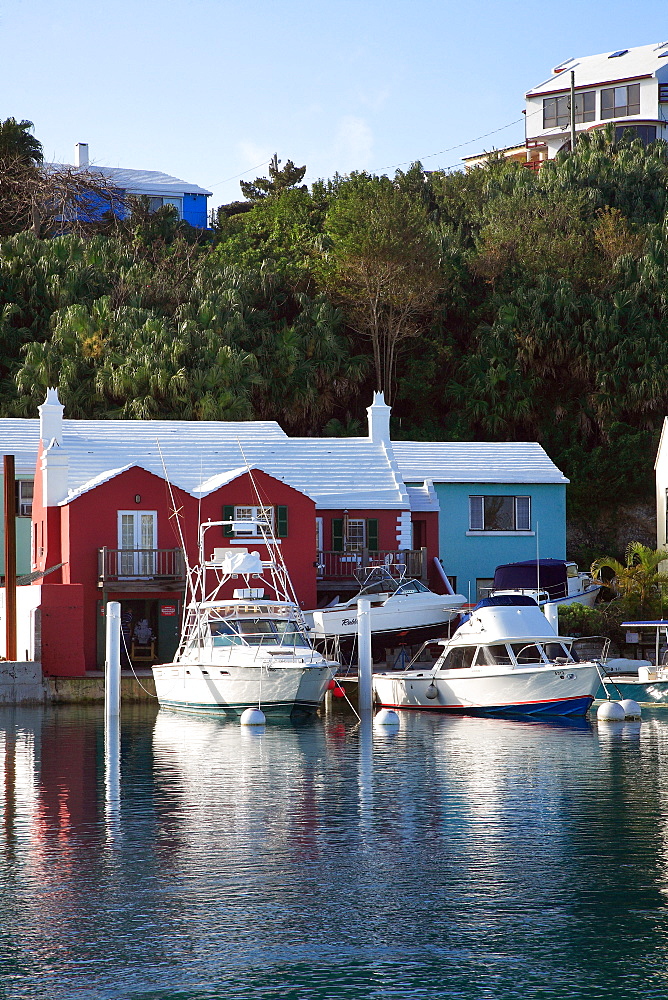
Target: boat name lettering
349 621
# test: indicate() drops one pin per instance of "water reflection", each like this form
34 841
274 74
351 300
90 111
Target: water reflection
456 857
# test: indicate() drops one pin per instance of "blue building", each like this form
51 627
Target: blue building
190 200
498 502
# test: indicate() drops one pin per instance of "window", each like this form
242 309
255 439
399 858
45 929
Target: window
490 656
356 534
557 110
646 133
24 493
137 537
353 534
526 652
620 102
155 203
458 658
274 519
265 515
499 513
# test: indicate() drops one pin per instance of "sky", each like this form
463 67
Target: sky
209 90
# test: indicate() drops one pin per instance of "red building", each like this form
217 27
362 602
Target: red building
117 506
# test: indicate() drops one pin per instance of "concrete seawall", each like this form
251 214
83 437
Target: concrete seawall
21 683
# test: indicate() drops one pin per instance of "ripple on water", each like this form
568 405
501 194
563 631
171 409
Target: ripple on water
454 858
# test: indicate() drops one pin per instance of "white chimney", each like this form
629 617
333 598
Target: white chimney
379 419
55 475
81 154
51 419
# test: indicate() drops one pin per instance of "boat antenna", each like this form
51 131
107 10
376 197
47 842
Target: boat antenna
281 569
537 567
175 511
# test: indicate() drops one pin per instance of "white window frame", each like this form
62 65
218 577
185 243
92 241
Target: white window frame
248 512
521 517
357 544
141 563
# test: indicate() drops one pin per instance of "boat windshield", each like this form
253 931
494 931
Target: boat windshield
412 587
506 655
379 585
257 632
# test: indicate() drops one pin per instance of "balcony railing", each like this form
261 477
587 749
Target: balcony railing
141 565
343 567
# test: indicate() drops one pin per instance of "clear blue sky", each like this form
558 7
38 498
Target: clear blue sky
208 89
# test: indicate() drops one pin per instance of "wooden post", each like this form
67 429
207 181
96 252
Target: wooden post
423 564
10 557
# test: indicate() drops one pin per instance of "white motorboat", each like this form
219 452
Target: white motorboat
548 581
249 651
504 659
403 612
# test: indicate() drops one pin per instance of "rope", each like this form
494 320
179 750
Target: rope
132 668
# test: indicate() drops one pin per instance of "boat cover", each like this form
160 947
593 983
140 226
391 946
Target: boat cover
549 573
507 601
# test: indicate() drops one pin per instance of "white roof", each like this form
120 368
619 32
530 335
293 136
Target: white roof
20 437
475 462
351 473
141 181
642 60
423 497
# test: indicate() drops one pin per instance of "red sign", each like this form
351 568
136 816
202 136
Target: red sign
167 610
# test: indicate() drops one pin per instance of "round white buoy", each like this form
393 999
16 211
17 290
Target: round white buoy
631 708
386 717
611 711
432 691
252 717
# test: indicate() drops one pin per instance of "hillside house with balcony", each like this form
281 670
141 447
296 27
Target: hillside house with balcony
627 87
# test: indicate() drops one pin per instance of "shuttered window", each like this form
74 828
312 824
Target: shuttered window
337 534
228 515
281 522
522 514
362 534
476 514
499 513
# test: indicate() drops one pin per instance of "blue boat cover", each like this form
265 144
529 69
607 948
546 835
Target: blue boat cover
549 573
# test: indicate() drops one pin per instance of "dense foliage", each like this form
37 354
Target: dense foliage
500 304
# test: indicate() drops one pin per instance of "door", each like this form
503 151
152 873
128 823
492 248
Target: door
137 537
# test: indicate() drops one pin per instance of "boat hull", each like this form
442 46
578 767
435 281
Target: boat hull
279 690
543 691
396 618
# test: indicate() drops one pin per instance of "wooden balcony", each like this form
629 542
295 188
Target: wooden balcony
337 570
141 569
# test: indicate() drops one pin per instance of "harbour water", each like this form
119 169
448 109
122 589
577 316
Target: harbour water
458 857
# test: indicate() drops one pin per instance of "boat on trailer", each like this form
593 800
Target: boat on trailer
248 651
403 612
548 581
505 659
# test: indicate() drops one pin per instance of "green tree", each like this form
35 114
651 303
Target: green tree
280 179
18 143
380 261
639 581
